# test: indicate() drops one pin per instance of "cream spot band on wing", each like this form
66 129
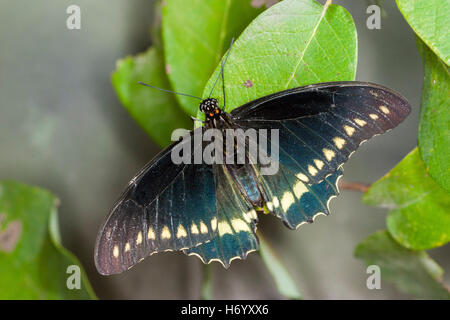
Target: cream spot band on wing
224 228
300 189
139 238
275 202
360 122
319 164
287 200
127 247
312 171
248 216
239 225
339 142
203 228
194 229
181 232
151 234
349 130
329 154
165 234
384 109
302 177
116 251
214 224
373 116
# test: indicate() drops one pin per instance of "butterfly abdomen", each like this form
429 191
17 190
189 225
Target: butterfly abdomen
245 179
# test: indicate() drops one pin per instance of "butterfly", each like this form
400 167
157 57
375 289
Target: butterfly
211 210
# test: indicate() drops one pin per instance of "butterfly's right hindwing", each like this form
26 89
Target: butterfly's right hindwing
167 206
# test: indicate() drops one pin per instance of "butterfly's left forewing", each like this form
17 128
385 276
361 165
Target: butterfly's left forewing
318 128
321 125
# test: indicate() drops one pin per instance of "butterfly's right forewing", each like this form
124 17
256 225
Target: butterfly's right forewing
167 206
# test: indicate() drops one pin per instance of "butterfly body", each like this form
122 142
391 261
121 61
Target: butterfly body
242 174
210 210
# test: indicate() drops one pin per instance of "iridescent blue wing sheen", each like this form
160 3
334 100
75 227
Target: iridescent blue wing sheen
236 224
294 201
321 125
166 206
288 196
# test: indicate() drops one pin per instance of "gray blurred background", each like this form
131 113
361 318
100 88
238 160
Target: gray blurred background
63 128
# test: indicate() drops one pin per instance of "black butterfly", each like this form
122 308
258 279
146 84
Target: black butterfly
211 210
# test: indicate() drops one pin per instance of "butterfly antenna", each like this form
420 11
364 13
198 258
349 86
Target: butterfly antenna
196 119
169 91
222 74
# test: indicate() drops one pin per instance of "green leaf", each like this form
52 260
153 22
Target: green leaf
33 263
419 217
434 125
207 283
429 20
412 272
283 280
293 43
156 112
195 35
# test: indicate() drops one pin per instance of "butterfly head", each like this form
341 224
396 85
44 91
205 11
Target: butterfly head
210 107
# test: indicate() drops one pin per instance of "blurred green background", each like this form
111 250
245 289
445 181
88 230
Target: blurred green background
63 128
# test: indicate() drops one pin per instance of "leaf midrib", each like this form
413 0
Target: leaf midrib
322 15
223 29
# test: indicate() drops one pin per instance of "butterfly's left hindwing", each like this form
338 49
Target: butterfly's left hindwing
296 202
319 127
236 224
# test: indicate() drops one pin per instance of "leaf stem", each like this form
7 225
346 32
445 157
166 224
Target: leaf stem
285 284
207 286
354 186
